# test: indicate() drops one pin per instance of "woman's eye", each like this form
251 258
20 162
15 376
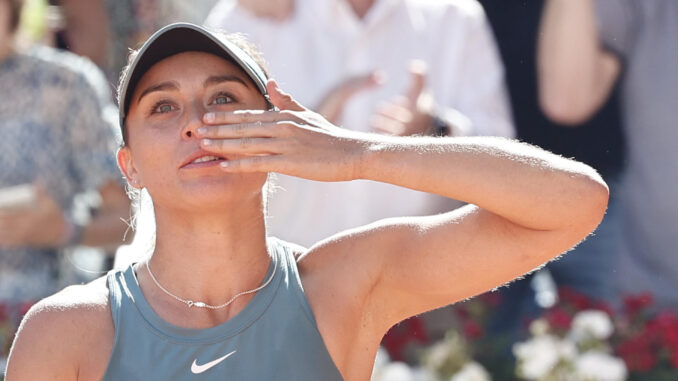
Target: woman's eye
222 99
162 108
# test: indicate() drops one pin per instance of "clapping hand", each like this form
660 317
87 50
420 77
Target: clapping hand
293 141
334 102
41 224
411 114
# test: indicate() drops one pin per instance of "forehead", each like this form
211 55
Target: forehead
187 67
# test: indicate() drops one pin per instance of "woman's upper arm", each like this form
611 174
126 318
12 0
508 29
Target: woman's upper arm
43 348
62 332
416 264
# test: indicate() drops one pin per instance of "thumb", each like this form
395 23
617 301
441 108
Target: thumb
418 70
280 99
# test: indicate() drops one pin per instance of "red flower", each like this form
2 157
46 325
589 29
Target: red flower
461 311
402 334
577 299
558 319
634 304
24 307
637 353
492 299
4 312
665 328
473 330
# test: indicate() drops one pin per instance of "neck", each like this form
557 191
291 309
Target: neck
361 7
210 257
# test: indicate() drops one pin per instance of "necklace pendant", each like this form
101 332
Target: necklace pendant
190 303
200 304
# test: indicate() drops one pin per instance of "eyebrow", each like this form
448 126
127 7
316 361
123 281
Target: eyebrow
217 79
210 81
164 86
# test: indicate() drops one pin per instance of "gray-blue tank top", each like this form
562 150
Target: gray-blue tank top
275 337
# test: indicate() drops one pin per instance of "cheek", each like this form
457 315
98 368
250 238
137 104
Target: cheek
153 167
151 160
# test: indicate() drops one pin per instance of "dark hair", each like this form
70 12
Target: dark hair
236 38
14 14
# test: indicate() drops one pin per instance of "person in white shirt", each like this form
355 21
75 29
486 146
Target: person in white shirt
402 67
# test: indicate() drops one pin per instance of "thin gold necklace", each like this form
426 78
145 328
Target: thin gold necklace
191 303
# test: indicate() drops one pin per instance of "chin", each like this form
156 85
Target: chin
219 193
208 191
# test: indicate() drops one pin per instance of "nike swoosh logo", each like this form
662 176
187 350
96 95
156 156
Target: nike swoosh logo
197 369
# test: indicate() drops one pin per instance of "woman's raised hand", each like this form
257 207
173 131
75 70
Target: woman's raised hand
293 141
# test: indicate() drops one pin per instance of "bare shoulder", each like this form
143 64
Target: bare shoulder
62 333
354 252
349 262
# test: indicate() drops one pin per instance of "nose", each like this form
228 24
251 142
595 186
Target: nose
193 121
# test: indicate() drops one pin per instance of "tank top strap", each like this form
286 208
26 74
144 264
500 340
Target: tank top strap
115 295
116 299
287 256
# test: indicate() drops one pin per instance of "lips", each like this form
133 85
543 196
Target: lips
202 159
205 159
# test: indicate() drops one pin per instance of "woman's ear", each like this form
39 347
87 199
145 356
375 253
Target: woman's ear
126 164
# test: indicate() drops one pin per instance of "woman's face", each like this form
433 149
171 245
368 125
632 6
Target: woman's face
163 152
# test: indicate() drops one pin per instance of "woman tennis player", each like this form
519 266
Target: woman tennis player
218 300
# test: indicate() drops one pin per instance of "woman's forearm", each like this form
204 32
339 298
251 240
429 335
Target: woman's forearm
575 73
522 183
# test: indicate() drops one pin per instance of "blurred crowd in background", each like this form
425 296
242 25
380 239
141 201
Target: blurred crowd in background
596 80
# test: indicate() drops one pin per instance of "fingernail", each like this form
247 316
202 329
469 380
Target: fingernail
201 130
209 117
206 142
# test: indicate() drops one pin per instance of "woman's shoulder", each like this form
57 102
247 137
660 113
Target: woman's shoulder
60 331
84 301
70 311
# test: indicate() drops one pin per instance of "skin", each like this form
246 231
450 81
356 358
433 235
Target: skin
576 75
409 114
526 207
6 35
87 29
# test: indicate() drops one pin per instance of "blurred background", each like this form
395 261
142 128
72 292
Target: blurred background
595 80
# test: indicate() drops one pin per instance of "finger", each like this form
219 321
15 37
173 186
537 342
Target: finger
41 195
240 130
363 82
242 146
418 71
385 125
280 99
247 116
394 111
252 164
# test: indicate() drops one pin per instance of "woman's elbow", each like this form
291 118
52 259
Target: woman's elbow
593 198
566 110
